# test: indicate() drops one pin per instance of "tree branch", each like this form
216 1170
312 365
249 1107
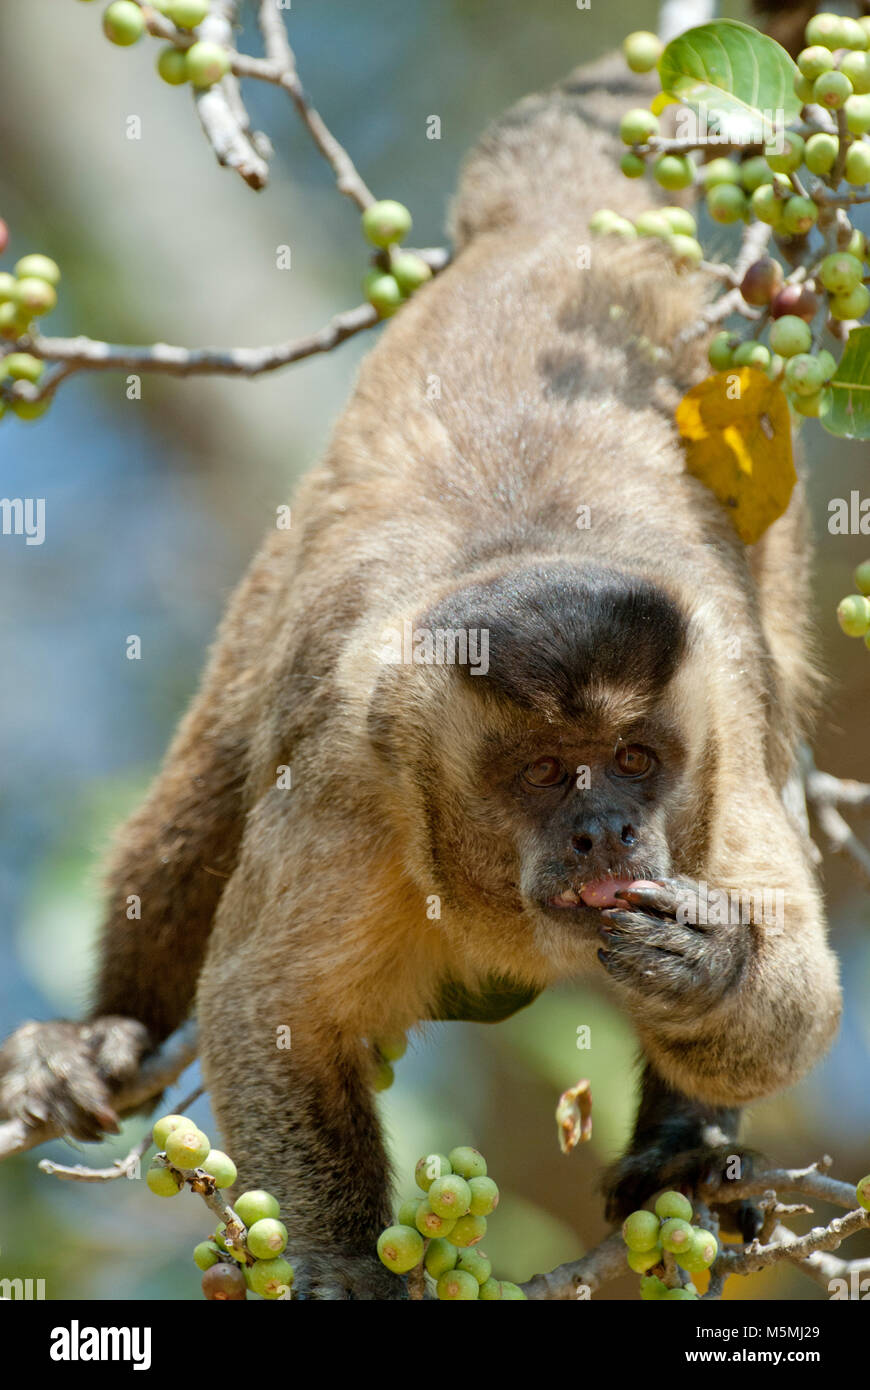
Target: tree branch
122 1167
220 109
222 114
810 1252
825 795
282 73
81 353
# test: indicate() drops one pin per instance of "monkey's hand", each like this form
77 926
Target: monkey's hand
658 946
65 1073
641 1172
338 1274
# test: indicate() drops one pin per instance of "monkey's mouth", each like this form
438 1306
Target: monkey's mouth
599 892
567 899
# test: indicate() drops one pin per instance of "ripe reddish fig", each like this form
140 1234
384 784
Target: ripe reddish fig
797 300
762 281
224 1283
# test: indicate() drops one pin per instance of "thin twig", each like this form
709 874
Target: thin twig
607 1261
820 1238
809 1253
121 1167
81 353
840 200
220 109
825 795
181 361
347 178
219 115
812 1182
844 139
752 245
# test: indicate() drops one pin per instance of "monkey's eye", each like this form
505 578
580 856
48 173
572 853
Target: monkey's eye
631 760
546 772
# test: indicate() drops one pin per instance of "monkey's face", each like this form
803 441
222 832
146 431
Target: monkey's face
588 809
566 762
556 806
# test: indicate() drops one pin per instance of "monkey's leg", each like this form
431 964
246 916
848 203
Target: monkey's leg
681 1143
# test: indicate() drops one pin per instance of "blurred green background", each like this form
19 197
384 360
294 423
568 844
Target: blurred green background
153 508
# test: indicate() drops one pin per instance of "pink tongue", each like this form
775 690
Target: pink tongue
602 893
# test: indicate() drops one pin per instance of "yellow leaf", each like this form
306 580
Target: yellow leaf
663 99
737 435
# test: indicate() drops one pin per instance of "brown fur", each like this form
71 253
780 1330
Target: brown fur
308 907
786 20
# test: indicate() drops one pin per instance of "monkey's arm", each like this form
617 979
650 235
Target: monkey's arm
727 1011
300 1121
168 869
730 1011
301 969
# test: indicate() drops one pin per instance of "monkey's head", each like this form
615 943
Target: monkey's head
547 733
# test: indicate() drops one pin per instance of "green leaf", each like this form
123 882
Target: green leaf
734 75
846 405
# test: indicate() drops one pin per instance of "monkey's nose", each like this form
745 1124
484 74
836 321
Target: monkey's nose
595 837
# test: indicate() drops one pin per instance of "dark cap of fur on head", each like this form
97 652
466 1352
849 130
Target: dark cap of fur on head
558 634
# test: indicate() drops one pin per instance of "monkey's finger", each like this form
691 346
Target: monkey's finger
80 1101
635 926
652 897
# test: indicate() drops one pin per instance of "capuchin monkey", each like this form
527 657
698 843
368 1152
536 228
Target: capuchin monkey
462 825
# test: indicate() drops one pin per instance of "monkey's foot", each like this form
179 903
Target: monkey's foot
660 945
336 1274
65 1073
637 1176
